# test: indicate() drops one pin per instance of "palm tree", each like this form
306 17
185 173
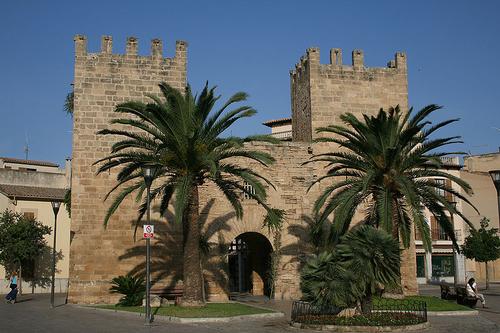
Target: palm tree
372 256
365 260
69 103
388 162
69 106
181 136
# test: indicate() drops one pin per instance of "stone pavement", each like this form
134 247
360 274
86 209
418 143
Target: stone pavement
492 296
33 314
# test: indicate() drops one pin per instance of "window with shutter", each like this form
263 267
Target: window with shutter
29 215
434 228
440 182
418 235
437 232
448 195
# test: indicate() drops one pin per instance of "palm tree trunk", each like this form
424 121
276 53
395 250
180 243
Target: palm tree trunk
367 302
193 284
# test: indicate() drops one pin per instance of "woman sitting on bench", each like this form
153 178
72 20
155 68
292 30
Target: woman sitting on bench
472 291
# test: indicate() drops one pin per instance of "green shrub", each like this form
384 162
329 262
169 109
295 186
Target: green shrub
365 260
133 289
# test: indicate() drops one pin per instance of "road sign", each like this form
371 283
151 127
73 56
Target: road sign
149 231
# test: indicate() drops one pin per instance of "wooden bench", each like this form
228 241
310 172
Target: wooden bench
464 299
447 291
168 293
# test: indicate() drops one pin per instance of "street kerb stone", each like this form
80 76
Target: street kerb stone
160 318
453 313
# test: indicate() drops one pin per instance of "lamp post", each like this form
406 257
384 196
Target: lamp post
495 176
55 207
148 172
455 256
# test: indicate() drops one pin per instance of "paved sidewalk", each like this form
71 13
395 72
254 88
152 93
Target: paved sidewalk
33 314
492 296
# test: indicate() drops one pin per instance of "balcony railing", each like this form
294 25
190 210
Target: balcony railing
285 135
439 234
447 160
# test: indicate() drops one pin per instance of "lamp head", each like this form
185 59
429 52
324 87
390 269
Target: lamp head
55 206
149 173
495 176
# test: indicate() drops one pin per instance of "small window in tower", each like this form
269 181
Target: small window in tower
249 189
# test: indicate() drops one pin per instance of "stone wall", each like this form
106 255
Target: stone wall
322 92
291 180
103 80
300 90
319 94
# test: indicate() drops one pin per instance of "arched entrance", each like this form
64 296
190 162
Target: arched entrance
249 264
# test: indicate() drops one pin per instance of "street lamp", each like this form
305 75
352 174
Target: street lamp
148 172
455 256
55 207
495 176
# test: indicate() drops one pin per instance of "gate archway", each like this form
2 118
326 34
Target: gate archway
249 264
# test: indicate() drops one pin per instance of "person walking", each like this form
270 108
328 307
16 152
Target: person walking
12 295
472 291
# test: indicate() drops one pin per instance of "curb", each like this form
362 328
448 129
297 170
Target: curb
364 329
219 319
160 318
452 313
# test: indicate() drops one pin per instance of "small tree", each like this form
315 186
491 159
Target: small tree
21 240
483 245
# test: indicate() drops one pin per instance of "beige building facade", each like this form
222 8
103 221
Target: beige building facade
443 263
28 187
476 173
241 250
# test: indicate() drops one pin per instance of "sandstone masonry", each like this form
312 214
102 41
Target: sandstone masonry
103 80
320 93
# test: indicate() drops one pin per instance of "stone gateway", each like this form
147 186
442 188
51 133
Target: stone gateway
242 255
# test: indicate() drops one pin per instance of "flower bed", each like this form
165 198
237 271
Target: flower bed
372 319
383 313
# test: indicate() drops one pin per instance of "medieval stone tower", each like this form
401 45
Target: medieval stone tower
102 80
322 92
239 259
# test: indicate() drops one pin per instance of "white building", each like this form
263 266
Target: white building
28 187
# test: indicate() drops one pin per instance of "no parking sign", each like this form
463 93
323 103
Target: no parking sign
149 231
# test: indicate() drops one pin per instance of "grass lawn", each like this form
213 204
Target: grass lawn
438 304
435 303
210 310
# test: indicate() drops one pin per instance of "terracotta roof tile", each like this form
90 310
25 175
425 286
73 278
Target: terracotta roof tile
33 193
32 162
273 122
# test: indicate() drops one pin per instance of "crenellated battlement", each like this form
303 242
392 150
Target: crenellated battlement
312 59
320 93
131 48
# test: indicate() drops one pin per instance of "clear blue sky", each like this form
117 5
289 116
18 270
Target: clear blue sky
452 46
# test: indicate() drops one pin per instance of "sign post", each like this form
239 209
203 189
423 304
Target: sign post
149 231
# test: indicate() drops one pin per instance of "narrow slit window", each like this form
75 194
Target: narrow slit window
249 189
